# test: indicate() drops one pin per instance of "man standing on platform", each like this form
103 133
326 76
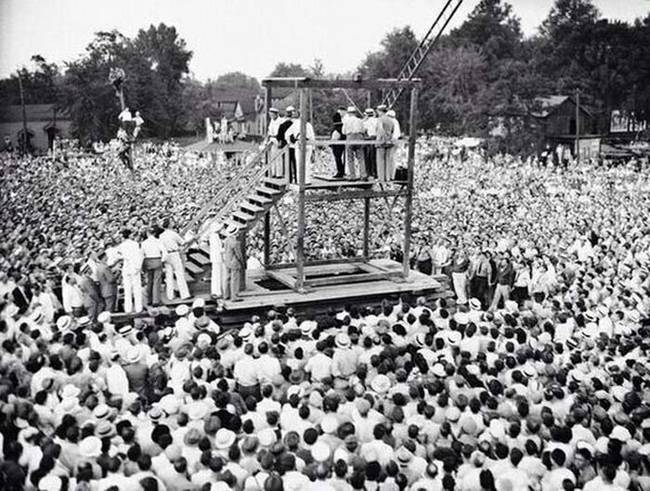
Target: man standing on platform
216 258
283 142
91 296
293 137
154 255
107 284
131 255
385 129
369 153
272 132
234 261
338 150
353 130
397 134
173 243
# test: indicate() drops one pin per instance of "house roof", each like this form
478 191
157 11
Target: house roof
228 98
549 103
34 112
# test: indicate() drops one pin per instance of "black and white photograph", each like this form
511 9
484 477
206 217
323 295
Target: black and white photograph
325 245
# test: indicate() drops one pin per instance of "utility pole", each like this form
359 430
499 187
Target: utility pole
22 104
578 126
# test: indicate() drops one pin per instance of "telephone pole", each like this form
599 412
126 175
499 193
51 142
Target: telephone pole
23 143
577 126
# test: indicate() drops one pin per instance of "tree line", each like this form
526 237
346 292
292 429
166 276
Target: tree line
483 74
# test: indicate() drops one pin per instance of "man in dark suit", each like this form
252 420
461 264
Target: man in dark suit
234 261
282 142
107 285
21 294
92 298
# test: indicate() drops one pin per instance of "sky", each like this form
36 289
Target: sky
250 36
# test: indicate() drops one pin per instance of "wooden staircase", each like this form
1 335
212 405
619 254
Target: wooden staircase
246 199
257 204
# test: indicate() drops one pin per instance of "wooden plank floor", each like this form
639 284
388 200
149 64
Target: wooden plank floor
256 297
331 183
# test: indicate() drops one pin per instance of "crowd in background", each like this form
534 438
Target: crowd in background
533 375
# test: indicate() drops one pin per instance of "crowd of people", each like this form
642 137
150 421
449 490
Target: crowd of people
533 376
70 223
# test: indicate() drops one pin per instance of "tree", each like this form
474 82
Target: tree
454 97
168 58
155 63
86 94
237 80
283 69
493 27
397 47
40 83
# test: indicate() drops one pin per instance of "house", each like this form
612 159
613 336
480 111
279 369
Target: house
243 108
555 119
44 122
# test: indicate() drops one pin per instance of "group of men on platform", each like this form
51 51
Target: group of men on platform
372 160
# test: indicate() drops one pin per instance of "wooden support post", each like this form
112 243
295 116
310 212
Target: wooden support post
267 239
366 228
408 208
242 283
267 105
301 164
267 216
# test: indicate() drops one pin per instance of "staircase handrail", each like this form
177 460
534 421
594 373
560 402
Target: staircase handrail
236 200
205 210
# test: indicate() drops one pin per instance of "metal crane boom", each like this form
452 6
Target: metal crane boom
428 41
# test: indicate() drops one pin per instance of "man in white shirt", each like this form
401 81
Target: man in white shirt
173 242
397 134
369 152
154 254
353 129
130 254
272 132
245 373
293 138
216 258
